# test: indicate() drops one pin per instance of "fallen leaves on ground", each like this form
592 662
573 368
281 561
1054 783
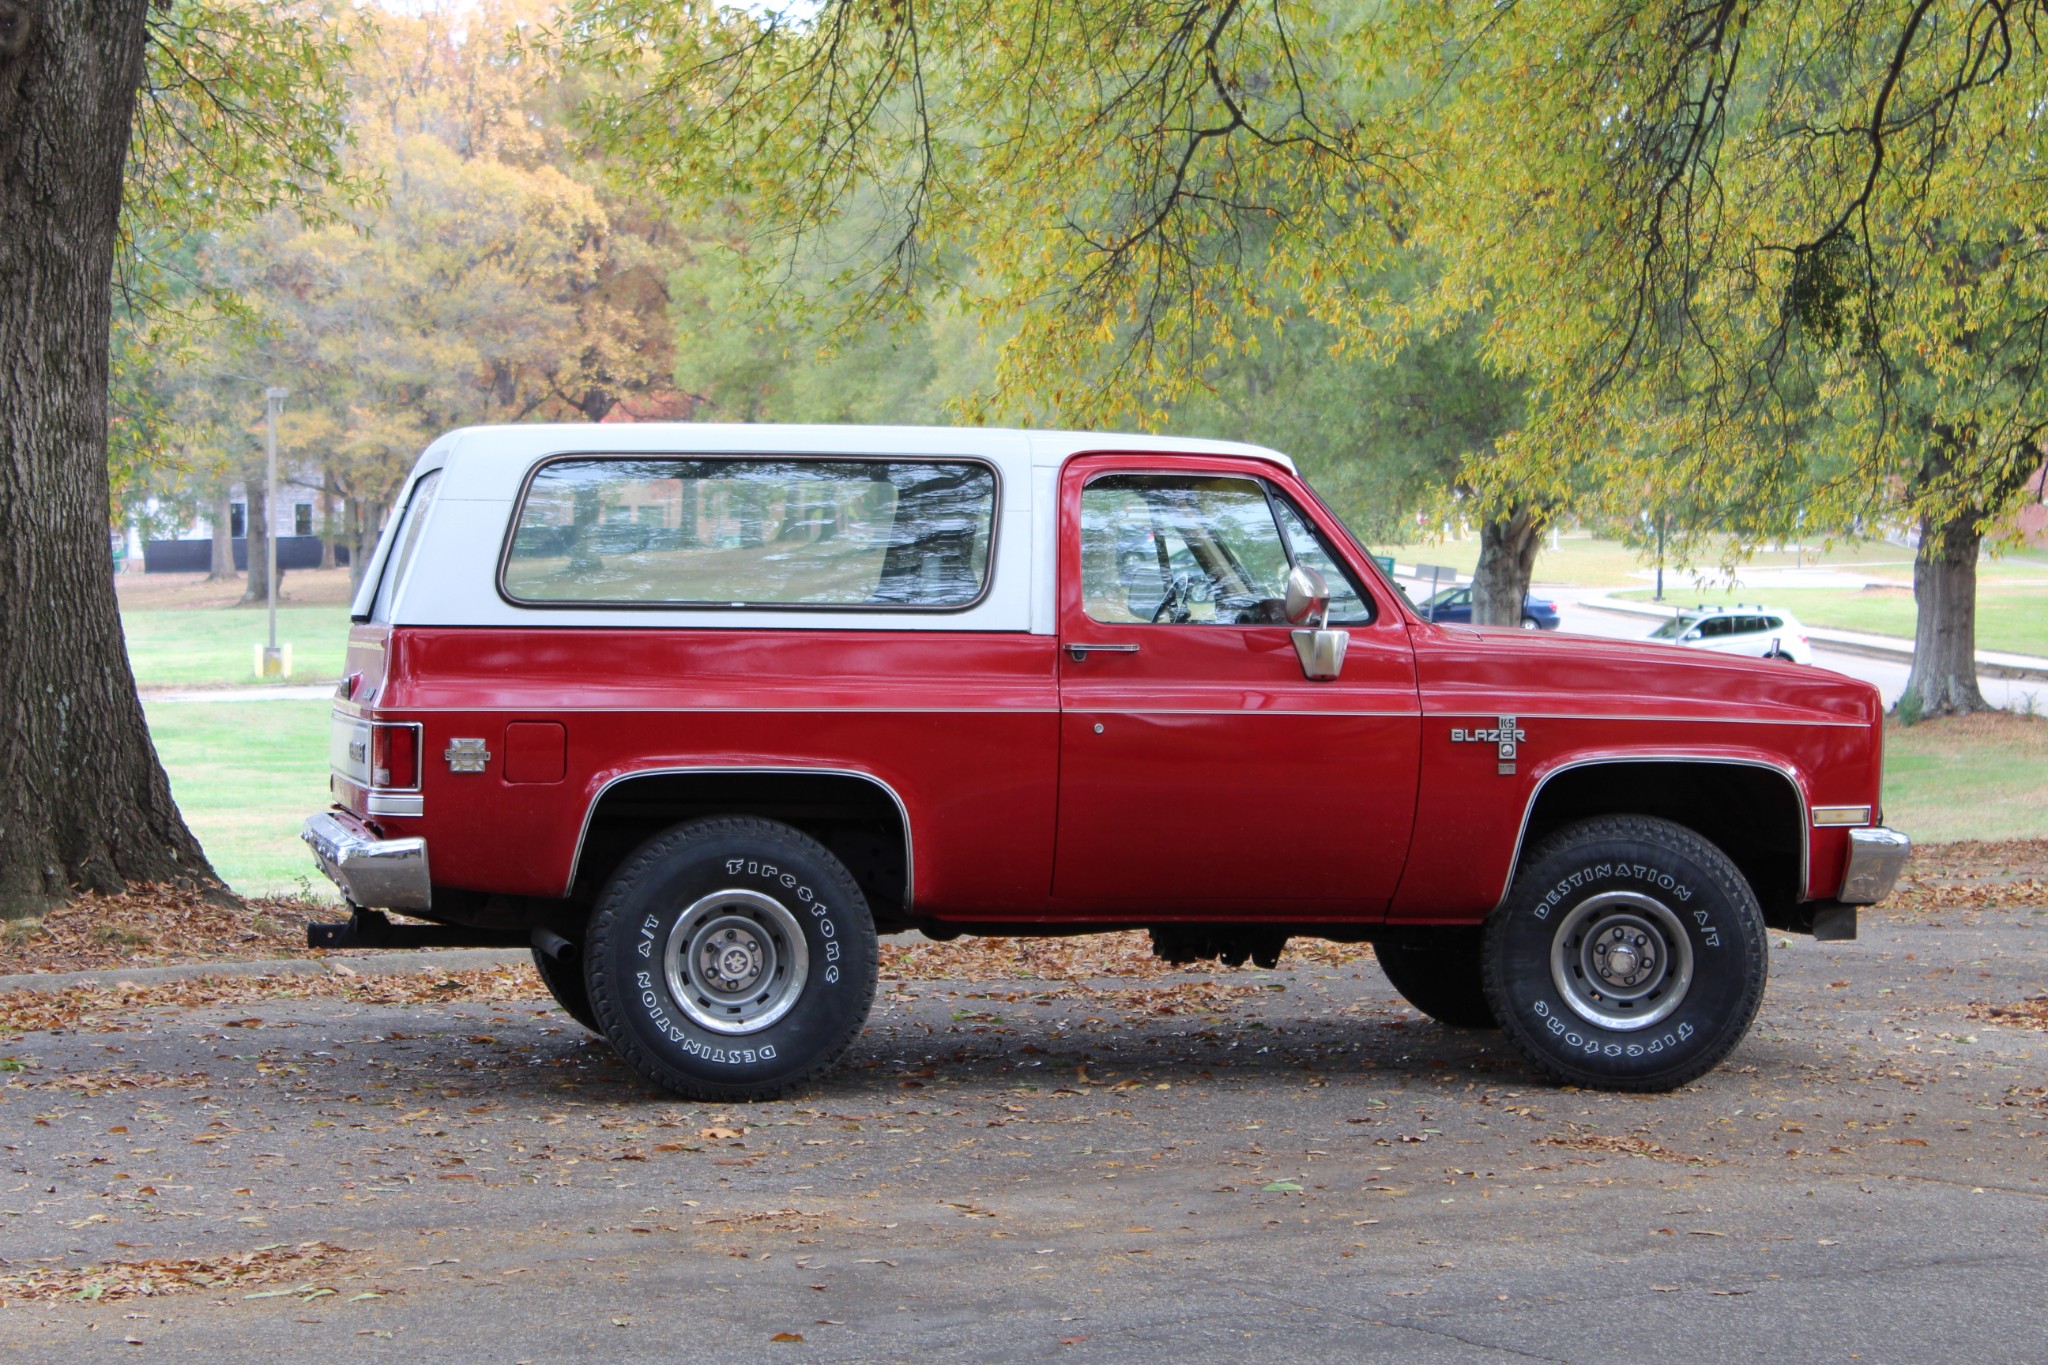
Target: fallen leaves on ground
2026 1014
1128 953
302 1265
2003 874
1624 1144
103 1008
153 926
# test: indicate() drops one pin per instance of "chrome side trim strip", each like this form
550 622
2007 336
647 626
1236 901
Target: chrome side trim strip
1674 720
1609 760
902 811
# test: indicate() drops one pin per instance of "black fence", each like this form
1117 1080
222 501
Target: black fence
196 556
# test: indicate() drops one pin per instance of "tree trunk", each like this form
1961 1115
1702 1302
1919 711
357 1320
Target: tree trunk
257 520
327 535
83 801
1507 557
222 566
1944 676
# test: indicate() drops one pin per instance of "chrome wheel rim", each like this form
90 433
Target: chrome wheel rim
1622 960
736 961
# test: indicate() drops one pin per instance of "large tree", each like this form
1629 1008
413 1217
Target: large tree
83 800
1155 204
1776 258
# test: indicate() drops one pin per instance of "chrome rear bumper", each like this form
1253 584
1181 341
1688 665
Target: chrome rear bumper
1876 858
385 874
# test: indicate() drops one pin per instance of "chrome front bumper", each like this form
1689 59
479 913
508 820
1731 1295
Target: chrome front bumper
383 874
1876 858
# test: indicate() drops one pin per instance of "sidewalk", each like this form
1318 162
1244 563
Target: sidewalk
1993 662
248 692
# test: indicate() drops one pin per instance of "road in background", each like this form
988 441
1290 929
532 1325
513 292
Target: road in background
1889 676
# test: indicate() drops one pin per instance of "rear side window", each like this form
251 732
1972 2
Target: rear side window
404 543
879 534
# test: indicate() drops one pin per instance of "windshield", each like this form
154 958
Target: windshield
1675 627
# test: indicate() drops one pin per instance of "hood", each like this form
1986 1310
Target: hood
1564 674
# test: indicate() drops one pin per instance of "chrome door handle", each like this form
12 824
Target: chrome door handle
1080 652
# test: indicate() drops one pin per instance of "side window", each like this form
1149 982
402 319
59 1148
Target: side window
1179 549
405 543
1717 626
1348 606
878 534
1774 623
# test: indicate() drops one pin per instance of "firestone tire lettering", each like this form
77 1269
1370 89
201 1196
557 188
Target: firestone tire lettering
1707 899
631 927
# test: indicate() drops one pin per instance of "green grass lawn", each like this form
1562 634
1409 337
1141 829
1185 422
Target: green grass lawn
246 774
2010 616
211 646
1976 777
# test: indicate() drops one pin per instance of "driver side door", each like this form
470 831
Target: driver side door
1201 773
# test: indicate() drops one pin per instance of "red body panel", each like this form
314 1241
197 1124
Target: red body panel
964 728
1205 774
1580 699
1200 777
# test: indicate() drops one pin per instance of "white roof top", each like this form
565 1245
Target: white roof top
452 581
492 461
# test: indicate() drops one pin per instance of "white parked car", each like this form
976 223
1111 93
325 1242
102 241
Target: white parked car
1764 632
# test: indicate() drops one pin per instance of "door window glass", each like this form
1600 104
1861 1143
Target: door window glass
1181 549
1717 626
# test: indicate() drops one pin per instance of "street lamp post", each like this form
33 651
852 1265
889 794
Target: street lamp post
274 660
1660 554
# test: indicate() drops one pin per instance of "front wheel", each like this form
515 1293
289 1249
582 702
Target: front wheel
564 981
1440 975
1629 955
731 959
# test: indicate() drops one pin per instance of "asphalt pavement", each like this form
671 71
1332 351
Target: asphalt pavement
1253 1165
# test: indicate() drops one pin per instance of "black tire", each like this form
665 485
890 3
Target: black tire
1440 976
741 895
564 981
1687 965
1531 623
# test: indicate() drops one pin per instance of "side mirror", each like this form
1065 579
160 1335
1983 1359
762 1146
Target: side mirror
1308 597
1307 605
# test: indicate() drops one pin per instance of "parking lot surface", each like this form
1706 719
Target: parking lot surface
1152 1167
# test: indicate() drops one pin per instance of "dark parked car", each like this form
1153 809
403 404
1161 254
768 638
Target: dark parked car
1453 606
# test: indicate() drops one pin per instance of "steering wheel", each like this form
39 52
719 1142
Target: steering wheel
1174 608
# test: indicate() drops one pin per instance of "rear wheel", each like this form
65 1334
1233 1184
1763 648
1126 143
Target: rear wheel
1531 623
731 959
1440 976
1629 955
564 981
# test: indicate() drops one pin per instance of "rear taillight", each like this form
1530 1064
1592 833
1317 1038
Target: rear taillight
395 757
